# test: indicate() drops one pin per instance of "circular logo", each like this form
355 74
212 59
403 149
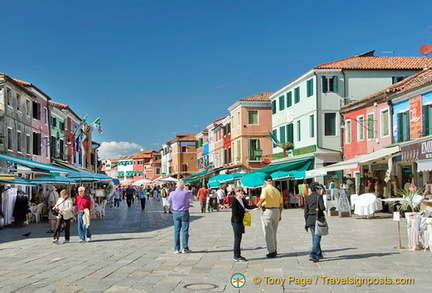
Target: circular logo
238 280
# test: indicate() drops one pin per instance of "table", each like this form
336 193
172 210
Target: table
367 204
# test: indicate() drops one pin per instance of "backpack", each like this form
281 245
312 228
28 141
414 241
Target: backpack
164 193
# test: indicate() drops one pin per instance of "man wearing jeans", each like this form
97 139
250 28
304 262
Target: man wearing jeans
179 201
83 202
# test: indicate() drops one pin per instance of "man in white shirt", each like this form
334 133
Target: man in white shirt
221 196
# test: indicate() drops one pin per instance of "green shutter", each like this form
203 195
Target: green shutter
274 135
290 133
281 103
297 95
274 107
289 99
309 84
335 84
282 134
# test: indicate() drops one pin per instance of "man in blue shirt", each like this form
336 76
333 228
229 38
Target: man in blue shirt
179 202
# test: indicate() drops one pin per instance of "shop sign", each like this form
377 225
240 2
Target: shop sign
416 117
417 151
305 150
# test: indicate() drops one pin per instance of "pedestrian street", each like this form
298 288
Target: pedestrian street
132 251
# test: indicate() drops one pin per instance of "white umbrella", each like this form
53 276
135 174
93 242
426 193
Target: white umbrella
142 182
162 180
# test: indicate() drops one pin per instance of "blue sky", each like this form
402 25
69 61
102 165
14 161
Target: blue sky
150 69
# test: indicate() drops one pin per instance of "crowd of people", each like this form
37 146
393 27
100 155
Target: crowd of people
62 208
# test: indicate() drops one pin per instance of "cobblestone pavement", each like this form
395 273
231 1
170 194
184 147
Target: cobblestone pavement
132 251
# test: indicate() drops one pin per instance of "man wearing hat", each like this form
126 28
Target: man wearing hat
271 204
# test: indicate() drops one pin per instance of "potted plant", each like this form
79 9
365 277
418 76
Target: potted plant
410 206
287 146
411 202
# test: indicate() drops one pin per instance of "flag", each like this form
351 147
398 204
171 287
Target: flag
78 144
97 125
81 124
275 140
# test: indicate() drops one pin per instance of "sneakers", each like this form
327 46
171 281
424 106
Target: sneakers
88 239
239 259
176 251
186 250
271 255
55 241
313 259
80 241
66 241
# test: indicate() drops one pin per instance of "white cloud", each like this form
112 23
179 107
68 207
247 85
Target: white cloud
116 149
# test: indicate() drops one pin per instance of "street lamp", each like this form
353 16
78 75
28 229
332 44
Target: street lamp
258 153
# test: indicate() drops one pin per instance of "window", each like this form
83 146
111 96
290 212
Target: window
290 132
329 124
385 123
348 131
403 126
238 156
282 134
61 125
27 108
297 95
18 96
360 128
281 103
19 143
10 139
238 119
36 144
427 119
330 84
28 144
310 89
9 96
312 126
53 121
253 145
158 171
253 117
274 107
370 126
184 149
46 116
289 99
396 79
298 131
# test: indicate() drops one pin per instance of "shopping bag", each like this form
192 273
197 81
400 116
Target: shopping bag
321 227
247 219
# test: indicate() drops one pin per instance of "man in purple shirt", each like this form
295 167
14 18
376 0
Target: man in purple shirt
179 201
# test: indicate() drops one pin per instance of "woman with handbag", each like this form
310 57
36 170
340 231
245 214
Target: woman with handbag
314 208
238 209
64 208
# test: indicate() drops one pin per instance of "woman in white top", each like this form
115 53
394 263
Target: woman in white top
64 207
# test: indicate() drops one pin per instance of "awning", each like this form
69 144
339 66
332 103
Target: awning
300 165
382 154
33 164
195 177
424 165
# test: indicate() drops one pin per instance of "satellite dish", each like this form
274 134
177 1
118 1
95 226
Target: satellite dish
426 49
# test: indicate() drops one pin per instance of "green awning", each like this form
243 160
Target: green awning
195 177
300 165
33 164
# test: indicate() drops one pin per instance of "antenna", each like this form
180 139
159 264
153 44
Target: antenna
389 52
426 49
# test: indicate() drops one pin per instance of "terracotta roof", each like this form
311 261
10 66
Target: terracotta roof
368 61
258 97
183 137
58 105
412 82
22 82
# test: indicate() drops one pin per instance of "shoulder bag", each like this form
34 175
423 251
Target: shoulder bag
321 227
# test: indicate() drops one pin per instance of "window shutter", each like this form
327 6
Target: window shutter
289 99
274 135
426 124
335 84
282 134
290 133
274 107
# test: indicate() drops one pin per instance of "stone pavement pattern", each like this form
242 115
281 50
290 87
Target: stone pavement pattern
132 251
